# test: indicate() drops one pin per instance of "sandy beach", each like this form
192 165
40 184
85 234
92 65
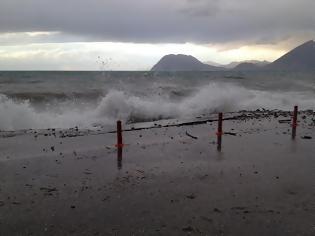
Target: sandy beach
169 181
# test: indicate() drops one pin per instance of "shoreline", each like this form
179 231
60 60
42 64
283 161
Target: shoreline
165 182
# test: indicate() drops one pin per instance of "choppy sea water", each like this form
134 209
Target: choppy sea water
91 99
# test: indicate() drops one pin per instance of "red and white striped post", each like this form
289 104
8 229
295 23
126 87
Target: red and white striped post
219 133
294 122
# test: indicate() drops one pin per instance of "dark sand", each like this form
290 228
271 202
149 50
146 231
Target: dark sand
167 183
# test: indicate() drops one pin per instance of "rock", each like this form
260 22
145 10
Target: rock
206 219
48 189
238 208
192 196
217 210
188 229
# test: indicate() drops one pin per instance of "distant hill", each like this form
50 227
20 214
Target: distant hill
212 63
247 66
301 58
182 63
240 65
255 62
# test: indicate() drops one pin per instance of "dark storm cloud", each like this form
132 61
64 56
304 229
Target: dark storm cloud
163 21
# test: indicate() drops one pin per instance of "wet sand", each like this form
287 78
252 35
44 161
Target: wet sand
169 180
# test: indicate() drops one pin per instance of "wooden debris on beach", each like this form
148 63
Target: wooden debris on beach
230 133
287 121
191 136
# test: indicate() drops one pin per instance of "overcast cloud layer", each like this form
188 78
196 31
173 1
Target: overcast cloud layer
163 21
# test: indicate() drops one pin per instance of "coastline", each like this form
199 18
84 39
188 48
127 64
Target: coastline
167 183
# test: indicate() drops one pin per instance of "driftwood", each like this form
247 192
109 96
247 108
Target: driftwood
284 121
230 133
191 136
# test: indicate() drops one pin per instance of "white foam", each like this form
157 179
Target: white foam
122 105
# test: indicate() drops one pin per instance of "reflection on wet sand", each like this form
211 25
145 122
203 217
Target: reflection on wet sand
119 157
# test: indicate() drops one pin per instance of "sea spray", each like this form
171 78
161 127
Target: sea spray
134 107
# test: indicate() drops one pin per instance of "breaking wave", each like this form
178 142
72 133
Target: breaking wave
116 104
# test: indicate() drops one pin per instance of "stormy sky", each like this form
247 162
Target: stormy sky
133 34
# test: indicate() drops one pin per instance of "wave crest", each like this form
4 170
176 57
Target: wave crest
134 108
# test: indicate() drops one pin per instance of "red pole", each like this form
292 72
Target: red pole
219 133
119 135
119 145
294 122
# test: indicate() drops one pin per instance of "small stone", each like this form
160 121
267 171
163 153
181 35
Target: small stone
217 210
188 229
192 196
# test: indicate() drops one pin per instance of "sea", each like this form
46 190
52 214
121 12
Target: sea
86 99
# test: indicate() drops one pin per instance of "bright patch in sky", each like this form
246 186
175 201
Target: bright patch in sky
26 51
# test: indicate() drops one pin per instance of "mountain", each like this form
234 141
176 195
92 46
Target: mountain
235 64
246 66
254 62
182 63
301 58
212 63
